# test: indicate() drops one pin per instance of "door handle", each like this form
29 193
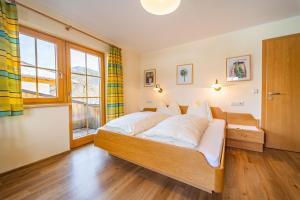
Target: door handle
274 93
271 94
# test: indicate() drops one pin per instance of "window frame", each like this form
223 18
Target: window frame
61 70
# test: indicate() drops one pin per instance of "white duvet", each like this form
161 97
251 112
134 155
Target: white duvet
210 144
183 130
135 123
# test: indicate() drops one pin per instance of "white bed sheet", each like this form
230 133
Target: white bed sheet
210 144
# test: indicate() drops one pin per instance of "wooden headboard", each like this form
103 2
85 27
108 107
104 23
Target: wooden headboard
216 111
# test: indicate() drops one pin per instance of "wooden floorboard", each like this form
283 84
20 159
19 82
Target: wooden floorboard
90 173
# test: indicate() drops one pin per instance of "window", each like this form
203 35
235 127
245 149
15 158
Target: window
57 71
41 67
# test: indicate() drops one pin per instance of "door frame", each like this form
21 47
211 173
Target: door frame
89 138
264 85
264 81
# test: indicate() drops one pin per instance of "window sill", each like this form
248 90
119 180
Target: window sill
30 106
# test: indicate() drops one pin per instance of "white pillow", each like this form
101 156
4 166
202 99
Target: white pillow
202 111
172 109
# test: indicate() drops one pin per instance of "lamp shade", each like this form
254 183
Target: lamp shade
157 88
216 86
160 7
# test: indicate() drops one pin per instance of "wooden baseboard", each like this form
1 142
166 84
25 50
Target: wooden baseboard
33 163
245 145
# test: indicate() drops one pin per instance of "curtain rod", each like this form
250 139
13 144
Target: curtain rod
67 26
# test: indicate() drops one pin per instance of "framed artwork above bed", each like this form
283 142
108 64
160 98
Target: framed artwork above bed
238 68
184 74
149 78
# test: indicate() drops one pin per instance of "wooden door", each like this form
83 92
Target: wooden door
281 92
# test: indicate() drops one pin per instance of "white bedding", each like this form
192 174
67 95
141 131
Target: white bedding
210 144
243 127
184 129
134 123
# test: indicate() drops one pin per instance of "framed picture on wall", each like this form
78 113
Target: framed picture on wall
238 68
184 74
149 78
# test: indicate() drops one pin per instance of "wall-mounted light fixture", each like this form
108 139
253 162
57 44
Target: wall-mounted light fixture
216 86
157 88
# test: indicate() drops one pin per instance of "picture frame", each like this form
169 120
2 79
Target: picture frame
184 74
149 78
238 68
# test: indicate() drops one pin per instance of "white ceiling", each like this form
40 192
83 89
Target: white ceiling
126 23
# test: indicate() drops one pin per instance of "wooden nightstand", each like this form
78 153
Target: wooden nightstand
243 132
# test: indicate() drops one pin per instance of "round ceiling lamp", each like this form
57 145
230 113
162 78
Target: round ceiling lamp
160 7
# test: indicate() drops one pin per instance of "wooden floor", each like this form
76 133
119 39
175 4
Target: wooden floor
89 173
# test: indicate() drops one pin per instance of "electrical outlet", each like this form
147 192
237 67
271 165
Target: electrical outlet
241 103
149 101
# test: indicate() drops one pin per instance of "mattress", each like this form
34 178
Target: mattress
210 144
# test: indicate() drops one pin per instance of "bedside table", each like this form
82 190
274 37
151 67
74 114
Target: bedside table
245 137
243 132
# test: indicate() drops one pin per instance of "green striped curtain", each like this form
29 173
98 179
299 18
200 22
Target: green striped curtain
115 105
11 103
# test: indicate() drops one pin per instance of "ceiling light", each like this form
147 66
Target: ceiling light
160 7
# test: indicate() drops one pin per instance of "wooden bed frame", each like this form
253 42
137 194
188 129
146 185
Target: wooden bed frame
183 164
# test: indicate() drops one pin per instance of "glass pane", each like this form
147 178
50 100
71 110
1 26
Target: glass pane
46 54
94 115
78 62
28 82
27 50
47 83
78 85
79 117
93 85
93 67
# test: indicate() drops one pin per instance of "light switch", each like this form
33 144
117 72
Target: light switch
255 91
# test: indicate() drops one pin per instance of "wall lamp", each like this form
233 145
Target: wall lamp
157 88
216 86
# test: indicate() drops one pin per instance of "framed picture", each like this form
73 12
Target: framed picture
149 78
184 75
238 68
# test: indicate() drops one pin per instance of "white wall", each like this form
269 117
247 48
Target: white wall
43 132
208 57
131 63
38 134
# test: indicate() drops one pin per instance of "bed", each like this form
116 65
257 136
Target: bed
183 164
